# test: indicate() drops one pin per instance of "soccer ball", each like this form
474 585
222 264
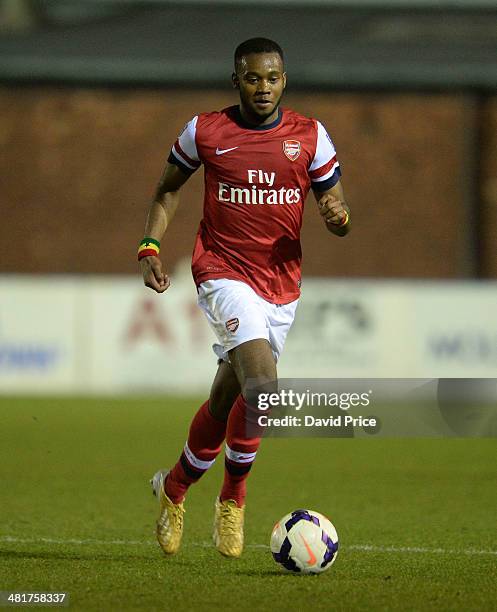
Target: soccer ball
304 541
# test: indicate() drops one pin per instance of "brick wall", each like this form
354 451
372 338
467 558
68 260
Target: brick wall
79 167
488 189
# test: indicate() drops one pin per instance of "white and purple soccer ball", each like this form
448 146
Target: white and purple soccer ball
304 542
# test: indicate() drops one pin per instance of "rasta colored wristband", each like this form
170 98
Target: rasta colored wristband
148 246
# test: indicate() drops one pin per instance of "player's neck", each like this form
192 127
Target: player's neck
257 121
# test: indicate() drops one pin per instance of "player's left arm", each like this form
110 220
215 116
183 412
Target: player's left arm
334 209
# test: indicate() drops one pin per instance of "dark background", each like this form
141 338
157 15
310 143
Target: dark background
93 94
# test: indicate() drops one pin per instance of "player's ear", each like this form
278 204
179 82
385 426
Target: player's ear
284 80
235 80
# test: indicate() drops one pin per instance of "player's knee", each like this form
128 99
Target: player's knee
260 377
256 388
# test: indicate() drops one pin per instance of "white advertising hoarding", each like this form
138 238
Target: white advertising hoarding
347 329
417 329
455 330
102 335
148 343
39 320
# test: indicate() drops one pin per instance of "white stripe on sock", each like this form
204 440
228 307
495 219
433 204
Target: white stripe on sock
195 461
239 457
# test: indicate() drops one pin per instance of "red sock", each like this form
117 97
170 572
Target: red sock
204 443
240 453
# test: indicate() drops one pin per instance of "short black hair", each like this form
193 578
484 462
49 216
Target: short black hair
257 45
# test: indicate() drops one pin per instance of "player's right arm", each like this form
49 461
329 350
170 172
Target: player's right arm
181 164
159 216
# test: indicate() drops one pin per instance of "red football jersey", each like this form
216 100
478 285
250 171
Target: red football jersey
256 182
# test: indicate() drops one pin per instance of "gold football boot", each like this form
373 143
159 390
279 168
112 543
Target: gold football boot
228 528
169 527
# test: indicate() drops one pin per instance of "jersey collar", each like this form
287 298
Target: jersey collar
249 126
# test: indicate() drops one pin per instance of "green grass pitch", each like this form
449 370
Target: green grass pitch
416 518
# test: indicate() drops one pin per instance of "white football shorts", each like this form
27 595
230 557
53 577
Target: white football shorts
237 314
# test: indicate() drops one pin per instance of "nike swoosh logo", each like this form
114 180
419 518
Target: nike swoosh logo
223 151
312 556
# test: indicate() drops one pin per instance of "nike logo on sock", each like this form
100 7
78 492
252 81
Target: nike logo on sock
223 151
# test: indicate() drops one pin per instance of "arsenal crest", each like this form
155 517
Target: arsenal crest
291 148
232 325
